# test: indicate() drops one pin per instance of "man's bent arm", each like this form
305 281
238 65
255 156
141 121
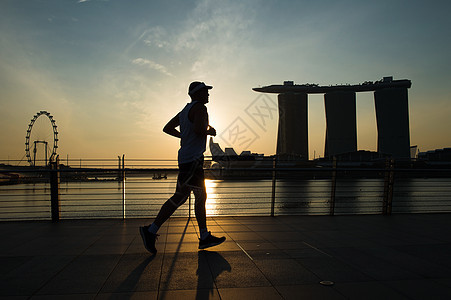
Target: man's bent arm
200 121
170 127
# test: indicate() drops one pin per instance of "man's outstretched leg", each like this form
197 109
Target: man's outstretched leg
206 239
149 233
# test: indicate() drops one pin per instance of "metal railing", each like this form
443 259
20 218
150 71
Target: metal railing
137 189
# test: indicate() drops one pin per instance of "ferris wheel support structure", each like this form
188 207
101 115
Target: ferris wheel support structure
53 133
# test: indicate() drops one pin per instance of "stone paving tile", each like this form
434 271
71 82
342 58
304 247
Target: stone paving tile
15 235
412 238
304 253
110 245
136 246
214 229
134 272
64 297
201 294
256 220
152 295
280 228
185 271
367 290
436 253
420 289
182 230
228 245
47 245
335 238
85 274
248 246
276 237
444 281
436 235
309 291
221 221
180 247
367 256
76 228
8 264
319 223
235 228
370 265
267 254
245 236
332 269
424 268
285 272
234 269
30 276
256 293
385 239
291 245
182 238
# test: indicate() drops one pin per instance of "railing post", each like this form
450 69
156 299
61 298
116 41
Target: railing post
119 169
390 189
273 191
123 185
333 187
54 190
389 180
189 205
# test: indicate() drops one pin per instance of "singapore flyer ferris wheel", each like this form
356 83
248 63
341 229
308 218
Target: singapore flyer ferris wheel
41 141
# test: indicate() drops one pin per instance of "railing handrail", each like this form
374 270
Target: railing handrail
336 175
321 169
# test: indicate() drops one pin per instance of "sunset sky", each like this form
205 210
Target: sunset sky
113 72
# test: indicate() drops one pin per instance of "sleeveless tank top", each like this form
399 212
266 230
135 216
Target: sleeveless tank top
192 146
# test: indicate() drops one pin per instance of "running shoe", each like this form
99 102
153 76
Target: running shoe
148 239
210 241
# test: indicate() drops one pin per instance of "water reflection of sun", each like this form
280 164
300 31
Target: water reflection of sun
212 206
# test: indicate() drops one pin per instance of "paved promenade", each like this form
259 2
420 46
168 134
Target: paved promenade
366 257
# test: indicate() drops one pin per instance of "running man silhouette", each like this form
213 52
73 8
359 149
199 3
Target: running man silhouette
194 129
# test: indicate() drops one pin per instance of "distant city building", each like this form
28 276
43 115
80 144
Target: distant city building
246 153
341 123
360 156
230 154
436 155
292 137
392 117
413 151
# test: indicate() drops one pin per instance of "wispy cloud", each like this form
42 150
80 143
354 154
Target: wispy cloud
152 65
217 34
156 36
216 22
81 1
215 37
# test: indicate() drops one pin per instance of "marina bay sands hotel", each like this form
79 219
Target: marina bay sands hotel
392 117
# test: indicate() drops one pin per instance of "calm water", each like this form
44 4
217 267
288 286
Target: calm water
144 196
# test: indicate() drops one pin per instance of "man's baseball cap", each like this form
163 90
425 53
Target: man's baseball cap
196 86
